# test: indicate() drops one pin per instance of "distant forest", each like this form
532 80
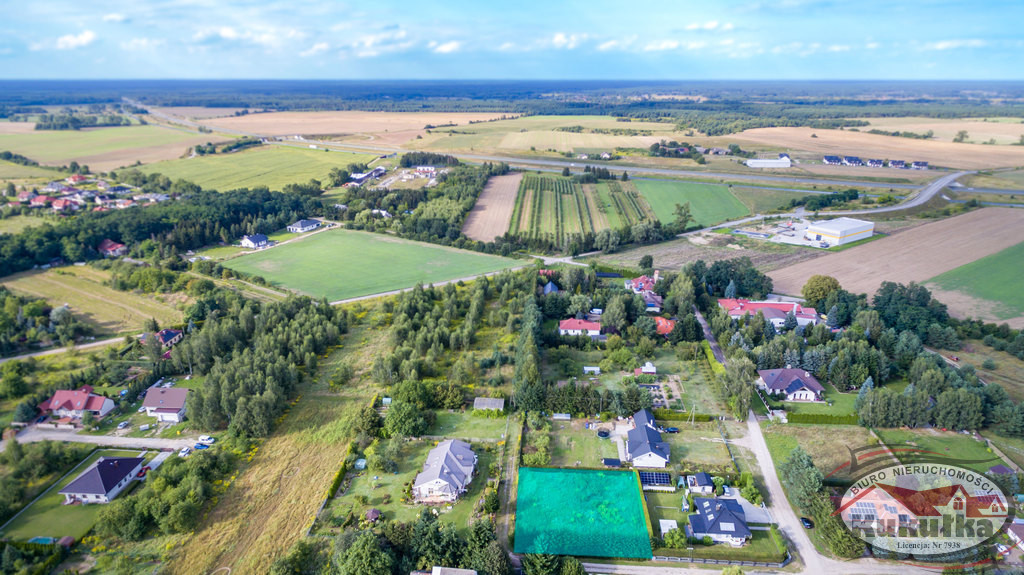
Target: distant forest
712 107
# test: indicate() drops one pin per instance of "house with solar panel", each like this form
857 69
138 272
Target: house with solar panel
723 520
790 384
446 474
103 481
644 446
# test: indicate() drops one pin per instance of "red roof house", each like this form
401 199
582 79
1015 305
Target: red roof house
75 402
665 326
643 283
64 205
773 311
75 179
579 327
40 201
111 249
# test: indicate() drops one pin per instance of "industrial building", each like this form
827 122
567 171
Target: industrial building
839 231
783 161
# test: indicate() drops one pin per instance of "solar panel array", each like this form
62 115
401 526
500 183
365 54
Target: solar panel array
655 478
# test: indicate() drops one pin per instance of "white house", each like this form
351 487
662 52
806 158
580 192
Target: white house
166 404
303 226
103 480
74 403
446 473
579 327
644 446
700 484
254 241
792 384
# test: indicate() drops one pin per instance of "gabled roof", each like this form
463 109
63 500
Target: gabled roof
719 517
579 324
789 380
109 245
702 479
452 461
739 307
74 399
644 438
166 335
550 287
166 398
256 238
305 223
102 476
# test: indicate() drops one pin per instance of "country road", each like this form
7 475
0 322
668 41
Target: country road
33 434
57 350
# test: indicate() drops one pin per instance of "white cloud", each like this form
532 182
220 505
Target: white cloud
315 49
267 36
955 44
838 48
567 41
727 26
114 17
709 25
75 41
136 44
661 46
393 40
507 47
871 45
617 44
447 47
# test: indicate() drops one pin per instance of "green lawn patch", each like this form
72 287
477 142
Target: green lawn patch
709 203
463 425
49 517
761 547
17 224
664 505
588 513
973 454
842 403
572 443
339 264
996 278
828 445
271 166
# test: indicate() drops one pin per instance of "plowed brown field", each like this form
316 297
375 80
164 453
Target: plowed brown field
915 255
492 212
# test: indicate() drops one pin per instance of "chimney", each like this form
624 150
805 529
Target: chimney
789 366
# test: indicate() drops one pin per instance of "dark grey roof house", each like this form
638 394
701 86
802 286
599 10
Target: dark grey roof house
446 473
723 520
643 443
103 480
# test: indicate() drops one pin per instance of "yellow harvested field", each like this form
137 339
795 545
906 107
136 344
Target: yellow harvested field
847 143
492 212
17 127
914 255
408 125
1003 130
197 112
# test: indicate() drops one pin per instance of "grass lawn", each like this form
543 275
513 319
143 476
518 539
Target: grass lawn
10 170
59 147
570 443
761 200
996 278
462 425
663 505
376 486
826 444
16 224
107 310
221 252
355 259
697 446
48 517
271 166
709 203
760 548
944 443
842 403
696 391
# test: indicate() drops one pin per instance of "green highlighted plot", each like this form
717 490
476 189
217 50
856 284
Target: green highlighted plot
581 512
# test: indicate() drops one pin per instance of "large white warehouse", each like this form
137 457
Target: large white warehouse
840 231
782 161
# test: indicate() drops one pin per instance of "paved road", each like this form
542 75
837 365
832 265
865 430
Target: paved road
57 350
34 434
715 348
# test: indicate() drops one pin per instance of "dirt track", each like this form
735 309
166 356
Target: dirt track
492 213
917 255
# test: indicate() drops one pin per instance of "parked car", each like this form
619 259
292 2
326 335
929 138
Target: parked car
123 425
207 439
142 410
142 472
672 430
185 451
41 419
201 446
807 523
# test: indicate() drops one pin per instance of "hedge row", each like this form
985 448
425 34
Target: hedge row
672 415
716 368
822 418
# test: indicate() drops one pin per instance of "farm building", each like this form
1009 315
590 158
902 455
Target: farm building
374 173
833 160
254 241
783 161
579 327
448 470
75 402
644 446
839 231
794 384
723 520
303 226
166 404
773 311
495 403
103 481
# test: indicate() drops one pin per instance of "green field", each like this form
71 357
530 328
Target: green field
59 147
944 443
463 425
12 171
827 445
106 309
271 166
709 203
16 224
49 517
571 443
996 278
341 264
580 512
761 200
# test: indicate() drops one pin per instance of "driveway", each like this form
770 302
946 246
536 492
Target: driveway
33 434
754 513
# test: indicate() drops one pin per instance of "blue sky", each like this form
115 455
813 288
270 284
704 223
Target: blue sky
681 39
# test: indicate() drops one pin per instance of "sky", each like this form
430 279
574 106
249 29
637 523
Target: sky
523 39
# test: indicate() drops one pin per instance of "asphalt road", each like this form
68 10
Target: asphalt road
33 434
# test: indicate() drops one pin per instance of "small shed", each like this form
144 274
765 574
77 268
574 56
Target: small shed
611 462
667 525
550 287
561 417
360 464
385 401
66 542
591 370
373 515
495 403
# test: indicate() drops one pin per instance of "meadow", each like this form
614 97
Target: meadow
944 443
828 445
109 311
709 203
271 166
11 171
341 264
17 224
49 517
761 200
995 278
104 148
